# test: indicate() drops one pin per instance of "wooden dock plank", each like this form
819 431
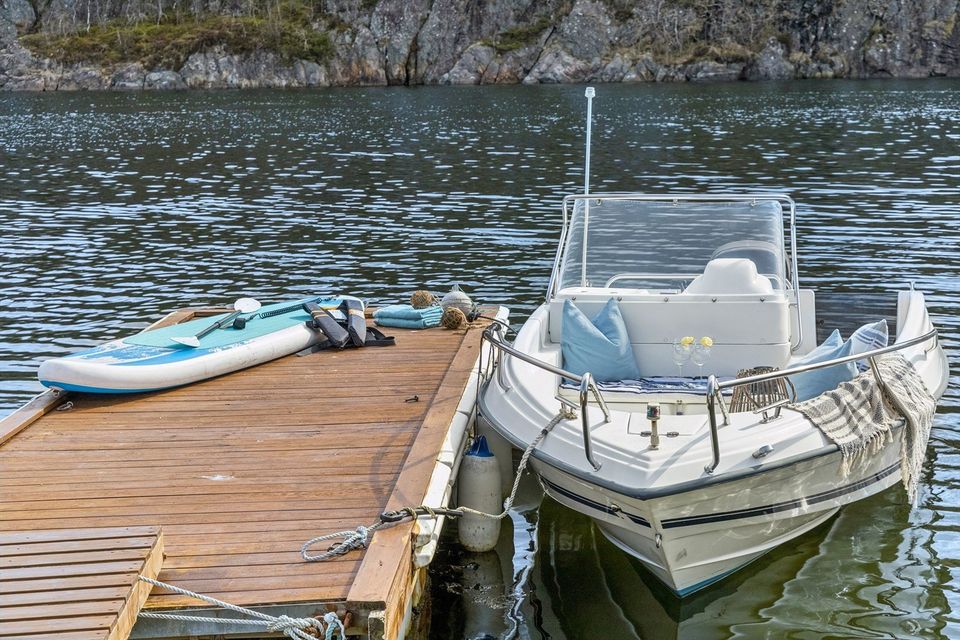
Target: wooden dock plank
383 575
29 413
68 595
238 470
41 596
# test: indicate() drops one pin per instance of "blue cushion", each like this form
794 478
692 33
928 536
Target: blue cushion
867 338
813 383
600 346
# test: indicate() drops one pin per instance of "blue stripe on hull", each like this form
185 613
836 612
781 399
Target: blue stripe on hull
593 504
815 498
753 512
709 581
82 389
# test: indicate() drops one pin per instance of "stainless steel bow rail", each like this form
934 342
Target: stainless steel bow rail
715 388
494 336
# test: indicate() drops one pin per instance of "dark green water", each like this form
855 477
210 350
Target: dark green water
118 207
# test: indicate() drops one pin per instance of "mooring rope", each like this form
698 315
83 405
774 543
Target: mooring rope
292 627
356 539
359 537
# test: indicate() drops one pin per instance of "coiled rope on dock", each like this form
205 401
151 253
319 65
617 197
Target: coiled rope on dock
292 627
359 537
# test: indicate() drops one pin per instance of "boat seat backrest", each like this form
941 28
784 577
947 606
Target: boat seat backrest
748 330
730 276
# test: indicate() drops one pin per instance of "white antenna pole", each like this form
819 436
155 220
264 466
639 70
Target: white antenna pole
589 95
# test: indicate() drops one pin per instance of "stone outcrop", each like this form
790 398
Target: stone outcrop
386 42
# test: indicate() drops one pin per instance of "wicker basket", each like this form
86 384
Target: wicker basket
758 395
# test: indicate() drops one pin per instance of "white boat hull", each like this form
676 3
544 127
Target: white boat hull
692 539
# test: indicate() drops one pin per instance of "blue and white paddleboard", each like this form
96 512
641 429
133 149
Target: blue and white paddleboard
151 360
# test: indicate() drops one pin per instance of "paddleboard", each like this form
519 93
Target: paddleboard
151 360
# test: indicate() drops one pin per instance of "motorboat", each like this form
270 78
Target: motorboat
693 489
690 469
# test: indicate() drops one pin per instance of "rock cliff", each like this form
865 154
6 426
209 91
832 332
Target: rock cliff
54 45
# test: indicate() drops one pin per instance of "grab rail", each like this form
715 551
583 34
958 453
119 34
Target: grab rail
715 388
492 334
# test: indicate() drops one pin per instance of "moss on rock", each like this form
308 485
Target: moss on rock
169 42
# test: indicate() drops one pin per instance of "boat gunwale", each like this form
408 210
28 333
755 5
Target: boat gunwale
492 334
640 493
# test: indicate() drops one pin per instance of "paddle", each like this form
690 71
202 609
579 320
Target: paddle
243 305
241 323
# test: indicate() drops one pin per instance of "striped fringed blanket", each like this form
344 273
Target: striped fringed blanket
858 416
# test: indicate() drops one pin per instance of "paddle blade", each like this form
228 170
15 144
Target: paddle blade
246 305
187 341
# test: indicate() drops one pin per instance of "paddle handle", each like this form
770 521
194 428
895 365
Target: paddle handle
241 323
216 325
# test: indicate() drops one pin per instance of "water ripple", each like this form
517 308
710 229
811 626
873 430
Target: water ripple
117 208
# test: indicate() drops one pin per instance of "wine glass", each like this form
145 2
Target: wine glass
700 355
682 351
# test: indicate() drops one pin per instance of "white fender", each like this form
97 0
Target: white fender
480 490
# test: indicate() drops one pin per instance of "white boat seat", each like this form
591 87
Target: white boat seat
725 276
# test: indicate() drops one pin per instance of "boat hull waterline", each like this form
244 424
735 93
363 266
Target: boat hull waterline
688 544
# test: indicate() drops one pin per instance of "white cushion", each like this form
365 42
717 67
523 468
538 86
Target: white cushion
724 276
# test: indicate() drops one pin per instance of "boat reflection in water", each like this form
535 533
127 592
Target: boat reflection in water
554 575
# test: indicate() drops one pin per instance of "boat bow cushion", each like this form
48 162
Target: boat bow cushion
867 338
600 346
813 383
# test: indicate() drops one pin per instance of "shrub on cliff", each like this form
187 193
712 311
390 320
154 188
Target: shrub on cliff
168 43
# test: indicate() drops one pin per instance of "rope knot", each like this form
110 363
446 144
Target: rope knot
351 540
284 623
333 624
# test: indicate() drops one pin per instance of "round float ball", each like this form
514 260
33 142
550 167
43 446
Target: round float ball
422 299
453 318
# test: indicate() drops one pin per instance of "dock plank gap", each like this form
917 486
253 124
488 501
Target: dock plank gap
238 471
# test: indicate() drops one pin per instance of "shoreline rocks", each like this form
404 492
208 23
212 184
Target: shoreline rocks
387 42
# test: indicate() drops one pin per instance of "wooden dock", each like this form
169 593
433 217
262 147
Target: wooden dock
240 470
76 584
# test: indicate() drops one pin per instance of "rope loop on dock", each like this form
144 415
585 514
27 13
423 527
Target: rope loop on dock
295 628
356 539
359 538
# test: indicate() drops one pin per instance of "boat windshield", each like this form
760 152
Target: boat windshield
647 243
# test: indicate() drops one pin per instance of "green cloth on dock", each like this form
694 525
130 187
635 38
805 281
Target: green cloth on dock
404 316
